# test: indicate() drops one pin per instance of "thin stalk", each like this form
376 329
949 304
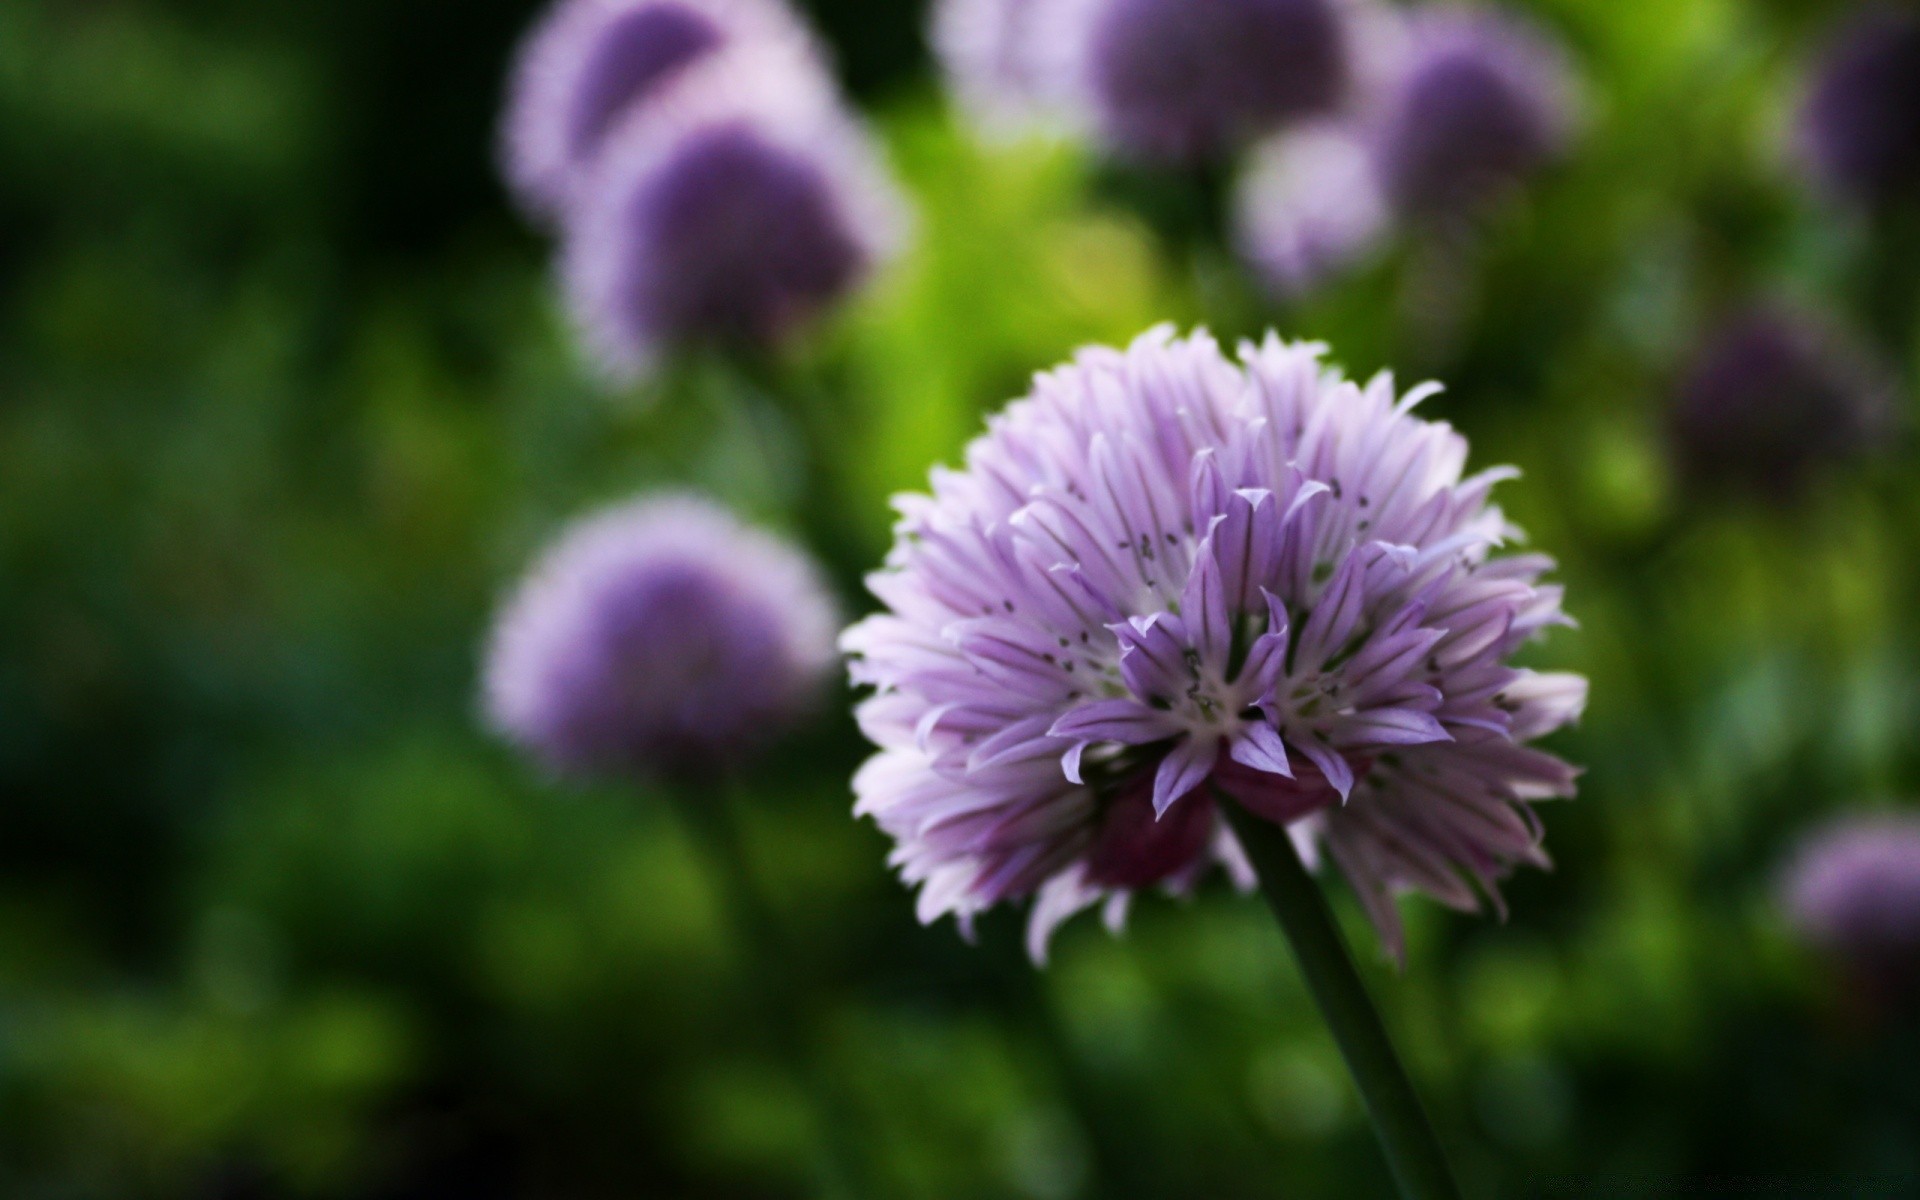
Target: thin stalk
710 813
794 394
1399 1120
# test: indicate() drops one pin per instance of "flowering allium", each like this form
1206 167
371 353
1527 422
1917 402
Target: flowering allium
1854 889
590 62
1309 204
1769 395
1478 103
658 636
1190 79
730 211
1860 127
1166 574
1011 62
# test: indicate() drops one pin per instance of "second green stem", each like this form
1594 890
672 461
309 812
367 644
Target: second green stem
1399 1120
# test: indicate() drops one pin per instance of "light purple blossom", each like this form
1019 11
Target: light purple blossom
1167 573
1853 888
732 210
1308 206
1013 63
1859 127
1188 80
1164 81
661 636
589 63
1477 102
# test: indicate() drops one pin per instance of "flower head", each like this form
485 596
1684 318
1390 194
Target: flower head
1860 123
1770 394
1853 889
732 210
1309 205
1180 80
1166 576
590 62
1476 104
1011 62
659 636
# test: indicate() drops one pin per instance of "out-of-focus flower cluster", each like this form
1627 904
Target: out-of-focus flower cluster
1355 115
707 183
1354 121
1165 81
661 637
1859 124
1853 890
1771 394
1459 109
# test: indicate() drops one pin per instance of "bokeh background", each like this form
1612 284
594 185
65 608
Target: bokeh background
286 400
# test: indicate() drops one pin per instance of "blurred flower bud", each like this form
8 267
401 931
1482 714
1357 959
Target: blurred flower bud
661 636
1011 63
1309 205
589 62
730 212
1860 124
1477 103
1188 80
1769 395
1853 889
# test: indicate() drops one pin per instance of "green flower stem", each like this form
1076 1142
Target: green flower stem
1399 1120
711 814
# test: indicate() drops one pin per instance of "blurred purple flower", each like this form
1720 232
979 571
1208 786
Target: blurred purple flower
590 62
1188 80
730 211
1769 395
660 636
1012 63
1308 206
1860 125
1853 888
1477 102
1166 572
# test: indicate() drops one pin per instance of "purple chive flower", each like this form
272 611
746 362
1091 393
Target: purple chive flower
1771 394
1183 80
661 636
1167 574
1011 62
1308 206
731 211
1477 102
1853 889
590 62
1860 124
